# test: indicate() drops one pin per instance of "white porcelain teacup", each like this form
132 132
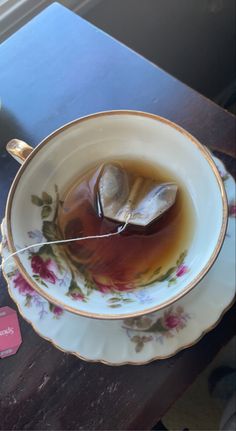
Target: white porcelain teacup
60 158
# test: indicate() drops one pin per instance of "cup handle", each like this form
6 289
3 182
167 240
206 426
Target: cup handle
19 150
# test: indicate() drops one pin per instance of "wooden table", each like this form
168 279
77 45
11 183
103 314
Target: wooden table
57 68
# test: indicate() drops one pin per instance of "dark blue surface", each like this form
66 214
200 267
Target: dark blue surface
68 68
59 67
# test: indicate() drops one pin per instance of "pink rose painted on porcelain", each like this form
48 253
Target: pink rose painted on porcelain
78 296
56 310
181 270
44 268
22 285
172 321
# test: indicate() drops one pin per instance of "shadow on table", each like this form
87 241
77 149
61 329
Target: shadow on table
10 128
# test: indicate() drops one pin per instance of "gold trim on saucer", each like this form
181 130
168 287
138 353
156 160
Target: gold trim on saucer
189 287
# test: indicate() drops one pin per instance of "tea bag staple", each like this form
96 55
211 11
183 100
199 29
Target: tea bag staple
139 202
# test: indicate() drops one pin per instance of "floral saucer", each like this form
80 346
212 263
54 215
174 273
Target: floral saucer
143 339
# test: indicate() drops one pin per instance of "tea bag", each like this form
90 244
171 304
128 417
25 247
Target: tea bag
138 202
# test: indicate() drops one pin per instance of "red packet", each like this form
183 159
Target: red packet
10 336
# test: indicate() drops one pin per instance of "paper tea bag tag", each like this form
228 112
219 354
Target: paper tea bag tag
140 202
10 336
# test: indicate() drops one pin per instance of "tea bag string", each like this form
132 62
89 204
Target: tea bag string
64 241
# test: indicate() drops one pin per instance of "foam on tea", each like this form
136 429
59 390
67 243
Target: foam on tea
135 256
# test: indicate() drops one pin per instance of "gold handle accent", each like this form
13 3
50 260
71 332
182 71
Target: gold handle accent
19 150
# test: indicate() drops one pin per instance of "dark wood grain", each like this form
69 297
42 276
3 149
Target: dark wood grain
59 67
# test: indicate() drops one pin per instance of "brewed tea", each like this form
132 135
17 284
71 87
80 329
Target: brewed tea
135 256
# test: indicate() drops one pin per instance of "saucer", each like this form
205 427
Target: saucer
142 339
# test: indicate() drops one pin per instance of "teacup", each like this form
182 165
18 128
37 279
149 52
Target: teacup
47 171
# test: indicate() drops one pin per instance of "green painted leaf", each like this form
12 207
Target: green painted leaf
115 305
46 249
181 258
127 300
89 284
139 346
39 280
114 299
154 274
143 322
172 281
136 339
28 300
36 200
50 230
167 274
80 266
156 327
42 282
141 273
225 177
157 271
46 211
11 274
47 199
74 287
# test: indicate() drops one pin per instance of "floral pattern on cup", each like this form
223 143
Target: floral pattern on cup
175 272
32 298
43 269
51 263
105 286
